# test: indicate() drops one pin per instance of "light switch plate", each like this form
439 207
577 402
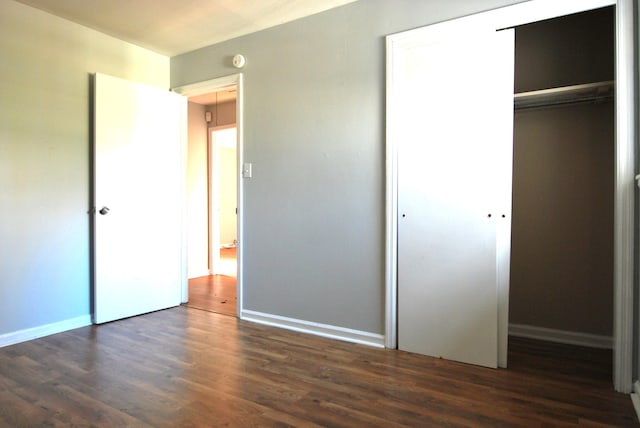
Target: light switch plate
247 170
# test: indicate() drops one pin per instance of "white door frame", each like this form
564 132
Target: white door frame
205 87
510 16
214 198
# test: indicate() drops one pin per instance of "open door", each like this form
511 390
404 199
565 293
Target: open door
453 98
137 198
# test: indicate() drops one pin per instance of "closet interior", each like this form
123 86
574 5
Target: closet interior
561 284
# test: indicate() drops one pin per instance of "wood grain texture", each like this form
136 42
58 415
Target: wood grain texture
188 367
216 293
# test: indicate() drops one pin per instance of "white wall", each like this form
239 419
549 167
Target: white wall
44 159
227 165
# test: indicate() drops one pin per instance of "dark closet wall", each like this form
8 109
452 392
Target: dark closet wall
562 233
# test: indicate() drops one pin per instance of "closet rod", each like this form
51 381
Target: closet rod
590 92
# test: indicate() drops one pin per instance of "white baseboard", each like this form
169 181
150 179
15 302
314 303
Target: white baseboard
561 336
635 398
43 330
198 274
324 330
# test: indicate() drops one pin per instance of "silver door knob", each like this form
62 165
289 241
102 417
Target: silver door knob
104 210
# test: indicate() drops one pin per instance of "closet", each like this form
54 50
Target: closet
561 276
472 258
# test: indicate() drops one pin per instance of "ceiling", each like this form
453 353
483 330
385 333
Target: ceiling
172 27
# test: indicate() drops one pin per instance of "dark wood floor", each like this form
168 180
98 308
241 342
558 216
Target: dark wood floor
216 293
188 367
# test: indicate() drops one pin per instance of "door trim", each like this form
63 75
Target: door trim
204 87
519 14
214 198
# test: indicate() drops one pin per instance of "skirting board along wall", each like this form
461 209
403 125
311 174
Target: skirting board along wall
199 273
561 336
377 340
635 398
43 330
324 330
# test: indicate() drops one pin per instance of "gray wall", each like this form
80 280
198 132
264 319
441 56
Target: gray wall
314 119
44 159
314 131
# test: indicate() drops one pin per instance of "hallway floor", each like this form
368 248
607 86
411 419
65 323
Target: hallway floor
216 293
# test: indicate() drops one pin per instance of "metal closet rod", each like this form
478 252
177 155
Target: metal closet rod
589 92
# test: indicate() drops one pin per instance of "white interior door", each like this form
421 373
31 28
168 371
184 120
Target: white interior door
455 96
137 197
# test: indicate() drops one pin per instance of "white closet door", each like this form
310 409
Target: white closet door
456 103
137 195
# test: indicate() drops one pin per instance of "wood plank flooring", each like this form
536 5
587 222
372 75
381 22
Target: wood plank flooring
187 367
216 293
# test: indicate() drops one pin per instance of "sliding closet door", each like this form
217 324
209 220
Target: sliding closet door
454 101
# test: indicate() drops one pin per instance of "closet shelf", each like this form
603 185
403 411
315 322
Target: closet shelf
564 95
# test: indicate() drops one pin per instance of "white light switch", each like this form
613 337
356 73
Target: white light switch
247 170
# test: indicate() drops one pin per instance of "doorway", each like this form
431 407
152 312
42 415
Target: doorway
561 285
213 280
212 194
222 185
561 282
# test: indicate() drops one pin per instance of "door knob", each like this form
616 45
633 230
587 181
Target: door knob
104 210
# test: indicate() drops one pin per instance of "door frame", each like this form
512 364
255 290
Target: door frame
624 198
205 87
214 197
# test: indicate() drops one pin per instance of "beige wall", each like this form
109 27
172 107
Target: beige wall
197 194
222 114
562 232
562 249
45 110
